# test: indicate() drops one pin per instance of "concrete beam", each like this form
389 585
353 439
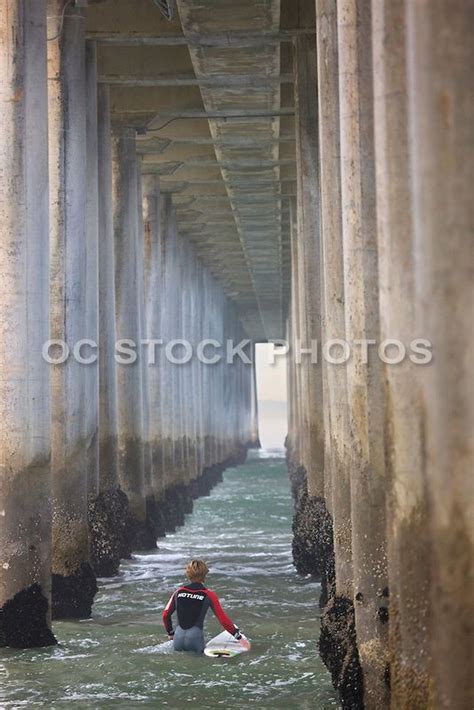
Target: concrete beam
234 140
236 163
234 115
242 81
226 40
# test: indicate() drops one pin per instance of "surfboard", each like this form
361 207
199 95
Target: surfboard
224 645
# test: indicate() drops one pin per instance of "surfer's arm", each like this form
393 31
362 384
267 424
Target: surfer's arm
221 615
167 613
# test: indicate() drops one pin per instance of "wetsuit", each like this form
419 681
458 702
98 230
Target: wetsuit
191 604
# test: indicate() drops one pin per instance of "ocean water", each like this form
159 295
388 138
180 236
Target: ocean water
120 658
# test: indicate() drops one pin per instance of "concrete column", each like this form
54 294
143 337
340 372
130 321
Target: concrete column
199 335
190 367
237 424
220 374
179 446
172 378
306 108
153 309
108 453
187 402
143 309
290 388
74 584
296 468
337 644
312 551
254 440
205 372
92 273
249 391
108 512
195 337
215 379
197 366
332 265
301 331
209 374
407 524
128 327
25 533
215 374
364 381
441 115
229 373
167 369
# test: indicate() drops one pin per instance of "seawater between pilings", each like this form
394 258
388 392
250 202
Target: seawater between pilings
120 658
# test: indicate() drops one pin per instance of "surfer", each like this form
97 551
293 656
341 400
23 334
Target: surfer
191 603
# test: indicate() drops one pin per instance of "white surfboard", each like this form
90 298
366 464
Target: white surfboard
225 646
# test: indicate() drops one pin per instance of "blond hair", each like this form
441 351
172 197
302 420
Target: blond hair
196 571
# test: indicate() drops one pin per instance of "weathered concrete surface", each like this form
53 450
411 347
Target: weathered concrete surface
68 308
309 253
165 384
333 268
407 505
128 328
110 532
25 445
151 206
254 435
143 306
91 331
364 380
294 447
312 526
441 112
109 509
108 456
338 642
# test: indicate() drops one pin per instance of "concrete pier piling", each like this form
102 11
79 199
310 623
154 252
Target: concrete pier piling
151 205
73 581
364 373
143 274
91 333
25 437
108 512
440 116
127 243
243 173
338 642
407 510
312 522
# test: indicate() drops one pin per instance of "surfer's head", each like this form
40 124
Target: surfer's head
196 571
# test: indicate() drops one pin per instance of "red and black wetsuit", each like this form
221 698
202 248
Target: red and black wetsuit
191 603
